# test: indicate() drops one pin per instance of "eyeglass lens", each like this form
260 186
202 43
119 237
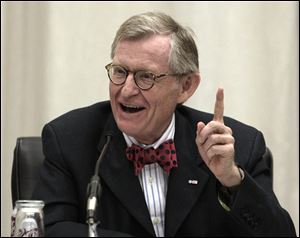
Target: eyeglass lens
143 79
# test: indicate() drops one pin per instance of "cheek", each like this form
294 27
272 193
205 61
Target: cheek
113 90
112 95
170 94
167 101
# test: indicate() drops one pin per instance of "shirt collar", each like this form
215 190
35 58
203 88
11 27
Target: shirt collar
167 135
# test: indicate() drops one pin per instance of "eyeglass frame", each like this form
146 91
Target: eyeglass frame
127 71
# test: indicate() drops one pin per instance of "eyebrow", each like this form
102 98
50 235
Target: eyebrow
134 70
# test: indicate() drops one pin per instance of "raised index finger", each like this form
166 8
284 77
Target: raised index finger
219 105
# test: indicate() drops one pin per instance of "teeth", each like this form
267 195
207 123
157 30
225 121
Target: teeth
131 106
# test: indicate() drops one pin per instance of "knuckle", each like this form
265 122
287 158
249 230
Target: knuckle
212 151
209 154
213 137
229 130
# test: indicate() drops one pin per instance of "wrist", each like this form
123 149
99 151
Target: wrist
234 178
226 193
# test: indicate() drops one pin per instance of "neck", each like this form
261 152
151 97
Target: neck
154 140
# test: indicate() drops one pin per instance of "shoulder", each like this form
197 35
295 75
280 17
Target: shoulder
82 121
100 108
194 116
246 136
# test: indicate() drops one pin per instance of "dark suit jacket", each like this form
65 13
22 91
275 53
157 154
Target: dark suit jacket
72 144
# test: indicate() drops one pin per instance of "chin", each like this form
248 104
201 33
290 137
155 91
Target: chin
129 128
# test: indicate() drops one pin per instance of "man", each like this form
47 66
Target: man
169 170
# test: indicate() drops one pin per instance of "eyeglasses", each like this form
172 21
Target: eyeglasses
143 79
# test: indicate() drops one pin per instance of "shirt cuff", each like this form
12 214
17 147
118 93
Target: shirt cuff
226 195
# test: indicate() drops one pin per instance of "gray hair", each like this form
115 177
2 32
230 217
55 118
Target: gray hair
183 57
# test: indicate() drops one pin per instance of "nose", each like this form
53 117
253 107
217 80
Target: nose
129 87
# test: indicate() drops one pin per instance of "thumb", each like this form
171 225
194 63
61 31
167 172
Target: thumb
200 126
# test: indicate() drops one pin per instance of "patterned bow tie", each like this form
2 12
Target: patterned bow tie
164 155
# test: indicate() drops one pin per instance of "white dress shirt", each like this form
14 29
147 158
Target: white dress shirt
154 181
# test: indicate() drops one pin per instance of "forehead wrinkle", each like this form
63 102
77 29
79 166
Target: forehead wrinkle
147 58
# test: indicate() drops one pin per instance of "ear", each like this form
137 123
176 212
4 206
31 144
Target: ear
189 84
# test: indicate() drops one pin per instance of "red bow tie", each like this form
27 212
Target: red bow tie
164 155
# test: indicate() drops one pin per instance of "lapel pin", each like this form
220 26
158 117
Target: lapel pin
191 181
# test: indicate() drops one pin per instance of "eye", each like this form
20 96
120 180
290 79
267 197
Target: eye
145 77
118 71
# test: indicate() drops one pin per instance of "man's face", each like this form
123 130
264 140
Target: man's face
153 108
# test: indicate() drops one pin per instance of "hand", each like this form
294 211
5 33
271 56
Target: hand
216 146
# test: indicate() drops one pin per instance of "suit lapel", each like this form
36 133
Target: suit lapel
187 181
117 172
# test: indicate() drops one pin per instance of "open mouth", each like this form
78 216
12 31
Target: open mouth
131 108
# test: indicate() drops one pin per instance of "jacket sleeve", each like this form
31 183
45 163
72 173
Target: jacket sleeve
255 207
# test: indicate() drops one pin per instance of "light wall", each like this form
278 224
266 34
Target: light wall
53 56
